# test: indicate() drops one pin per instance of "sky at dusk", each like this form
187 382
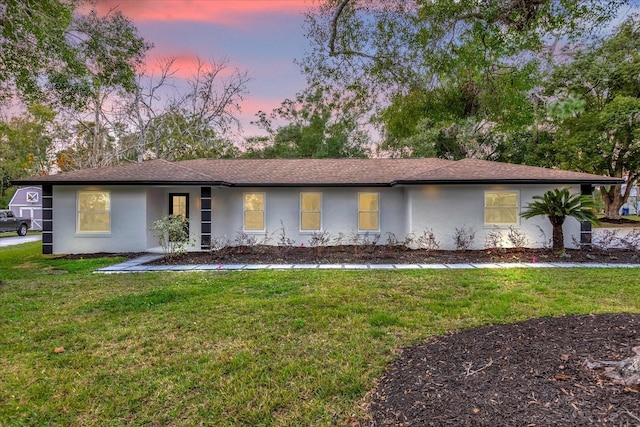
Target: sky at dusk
262 37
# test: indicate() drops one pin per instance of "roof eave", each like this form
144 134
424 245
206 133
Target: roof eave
112 182
512 181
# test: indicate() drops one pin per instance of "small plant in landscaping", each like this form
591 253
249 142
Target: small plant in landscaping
219 242
427 241
320 238
546 241
283 240
172 234
463 237
392 239
631 241
370 239
606 239
244 239
517 238
493 240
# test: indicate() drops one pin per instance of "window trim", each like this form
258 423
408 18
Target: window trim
78 212
485 207
360 230
300 212
244 212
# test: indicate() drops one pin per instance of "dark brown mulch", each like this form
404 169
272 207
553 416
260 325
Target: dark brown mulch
126 255
524 374
391 255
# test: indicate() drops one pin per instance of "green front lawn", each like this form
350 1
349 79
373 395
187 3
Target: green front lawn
244 348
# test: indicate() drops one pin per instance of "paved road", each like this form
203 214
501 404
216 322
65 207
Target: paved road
17 240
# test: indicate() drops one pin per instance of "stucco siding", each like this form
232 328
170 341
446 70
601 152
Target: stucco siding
128 222
445 208
339 213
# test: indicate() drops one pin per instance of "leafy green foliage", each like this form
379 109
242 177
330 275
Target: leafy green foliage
557 205
26 145
443 64
599 129
172 233
314 130
177 135
34 44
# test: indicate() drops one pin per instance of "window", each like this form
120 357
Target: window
368 213
254 211
94 212
179 204
310 211
501 207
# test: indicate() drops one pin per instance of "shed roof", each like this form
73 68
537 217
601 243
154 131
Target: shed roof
316 172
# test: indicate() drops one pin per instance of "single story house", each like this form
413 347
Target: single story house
27 202
112 209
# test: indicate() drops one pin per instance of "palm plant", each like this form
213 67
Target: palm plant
557 205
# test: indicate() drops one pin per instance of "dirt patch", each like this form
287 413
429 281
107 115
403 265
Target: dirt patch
621 222
366 254
528 374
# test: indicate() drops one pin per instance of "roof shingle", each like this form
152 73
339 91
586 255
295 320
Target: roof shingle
316 172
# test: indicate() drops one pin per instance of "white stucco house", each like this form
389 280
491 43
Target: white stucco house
113 209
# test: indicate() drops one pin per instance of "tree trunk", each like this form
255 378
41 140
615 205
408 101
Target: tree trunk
557 242
558 238
613 200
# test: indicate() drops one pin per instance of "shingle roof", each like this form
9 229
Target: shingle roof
316 172
473 170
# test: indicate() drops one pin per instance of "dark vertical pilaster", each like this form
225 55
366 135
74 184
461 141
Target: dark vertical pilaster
585 226
47 219
205 217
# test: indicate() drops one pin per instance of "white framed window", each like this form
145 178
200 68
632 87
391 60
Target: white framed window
253 211
501 207
368 211
93 212
310 211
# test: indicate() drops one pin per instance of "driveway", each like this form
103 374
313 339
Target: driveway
17 240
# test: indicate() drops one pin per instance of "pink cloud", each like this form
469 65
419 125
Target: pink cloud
235 13
185 65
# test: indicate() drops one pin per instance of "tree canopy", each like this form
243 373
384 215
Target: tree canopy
447 78
599 131
315 129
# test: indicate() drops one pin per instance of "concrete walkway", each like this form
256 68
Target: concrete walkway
18 240
137 265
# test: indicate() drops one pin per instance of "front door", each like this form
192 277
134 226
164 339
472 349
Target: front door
179 206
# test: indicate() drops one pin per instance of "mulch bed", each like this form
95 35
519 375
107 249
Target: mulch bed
524 374
369 254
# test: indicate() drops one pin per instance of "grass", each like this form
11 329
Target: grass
244 348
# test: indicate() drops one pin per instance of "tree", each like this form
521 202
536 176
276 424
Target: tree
34 44
193 122
485 53
111 50
26 143
315 129
557 205
597 103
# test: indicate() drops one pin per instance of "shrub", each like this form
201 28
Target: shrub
172 233
463 237
427 240
493 240
517 237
